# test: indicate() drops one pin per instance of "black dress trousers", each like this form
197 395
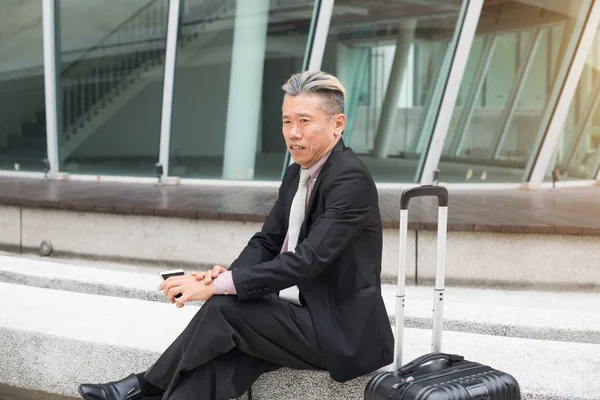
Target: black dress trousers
229 343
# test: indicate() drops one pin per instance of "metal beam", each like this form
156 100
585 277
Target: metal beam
51 46
515 92
427 117
596 166
583 121
320 35
487 53
430 159
385 127
568 26
352 97
169 84
317 40
560 99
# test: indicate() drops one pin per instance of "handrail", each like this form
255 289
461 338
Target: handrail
120 60
110 34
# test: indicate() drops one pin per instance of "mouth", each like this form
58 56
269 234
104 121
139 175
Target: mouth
296 148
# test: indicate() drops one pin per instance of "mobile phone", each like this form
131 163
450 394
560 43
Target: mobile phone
167 274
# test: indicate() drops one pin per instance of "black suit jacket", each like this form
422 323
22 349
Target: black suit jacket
337 264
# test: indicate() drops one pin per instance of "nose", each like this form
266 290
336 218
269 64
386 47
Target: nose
294 132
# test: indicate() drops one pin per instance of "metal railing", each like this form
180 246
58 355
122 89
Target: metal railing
110 65
120 58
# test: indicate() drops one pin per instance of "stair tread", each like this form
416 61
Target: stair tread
542 367
503 312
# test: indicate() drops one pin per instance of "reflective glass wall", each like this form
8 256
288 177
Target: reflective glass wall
233 57
511 72
577 155
111 80
393 58
22 106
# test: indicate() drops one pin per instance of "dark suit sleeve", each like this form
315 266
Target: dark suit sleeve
350 205
266 244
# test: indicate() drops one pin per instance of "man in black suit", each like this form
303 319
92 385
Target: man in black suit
304 293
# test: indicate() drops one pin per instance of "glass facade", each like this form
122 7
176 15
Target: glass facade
23 126
232 57
111 76
511 72
393 58
577 155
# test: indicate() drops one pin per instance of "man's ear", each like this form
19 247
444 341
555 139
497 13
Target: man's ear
340 124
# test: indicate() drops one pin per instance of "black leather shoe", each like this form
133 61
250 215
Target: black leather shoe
126 389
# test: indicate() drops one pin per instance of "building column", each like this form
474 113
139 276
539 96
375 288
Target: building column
515 92
385 129
479 76
245 88
585 119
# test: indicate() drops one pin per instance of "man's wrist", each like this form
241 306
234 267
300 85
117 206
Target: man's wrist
223 284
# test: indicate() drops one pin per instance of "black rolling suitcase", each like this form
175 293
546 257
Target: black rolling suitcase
436 375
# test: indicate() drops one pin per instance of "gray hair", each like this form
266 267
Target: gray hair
326 85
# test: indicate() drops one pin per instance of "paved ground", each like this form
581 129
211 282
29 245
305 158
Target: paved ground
564 210
11 393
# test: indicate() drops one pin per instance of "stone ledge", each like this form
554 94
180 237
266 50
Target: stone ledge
497 313
233 216
541 369
119 334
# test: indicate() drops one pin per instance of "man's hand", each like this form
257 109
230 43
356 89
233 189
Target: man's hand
189 288
210 275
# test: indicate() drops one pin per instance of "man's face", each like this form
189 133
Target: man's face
309 131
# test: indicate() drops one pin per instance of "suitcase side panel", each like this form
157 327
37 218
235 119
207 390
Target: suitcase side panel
489 385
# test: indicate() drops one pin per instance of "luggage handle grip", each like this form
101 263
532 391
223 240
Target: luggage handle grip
438 191
416 363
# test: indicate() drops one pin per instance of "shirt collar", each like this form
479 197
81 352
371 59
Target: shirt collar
316 168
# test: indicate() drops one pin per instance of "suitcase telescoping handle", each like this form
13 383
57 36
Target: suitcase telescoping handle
438 304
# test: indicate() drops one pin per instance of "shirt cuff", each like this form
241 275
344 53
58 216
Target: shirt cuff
223 284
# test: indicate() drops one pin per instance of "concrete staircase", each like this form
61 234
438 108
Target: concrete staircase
96 321
116 71
119 67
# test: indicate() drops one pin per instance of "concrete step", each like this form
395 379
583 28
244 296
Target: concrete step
560 316
473 258
51 340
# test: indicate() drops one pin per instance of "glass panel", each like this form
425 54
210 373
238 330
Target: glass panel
577 155
233 58
520 44
23 126
111 78
392 57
